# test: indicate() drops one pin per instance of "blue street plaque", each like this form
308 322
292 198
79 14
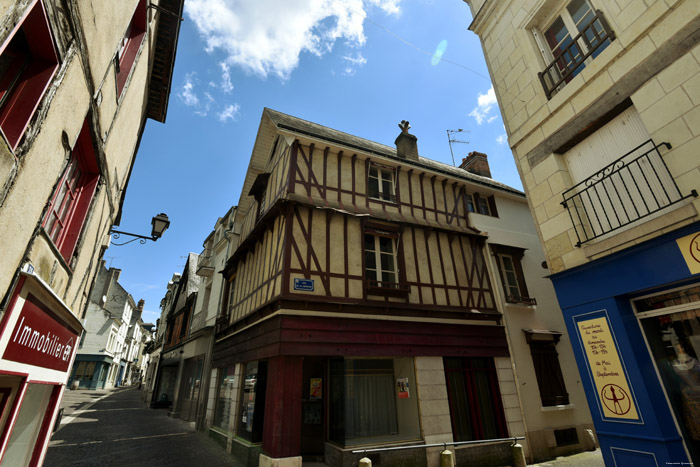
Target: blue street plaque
305 285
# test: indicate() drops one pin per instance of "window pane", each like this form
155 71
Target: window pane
386 245
387 262
371 274
580 12
387 189
389 277
373 187
483 206
224 399
373 172
369 242
370 260
555 35
470 203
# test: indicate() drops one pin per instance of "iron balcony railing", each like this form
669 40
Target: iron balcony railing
388 288
570 60
204 262
521 300
634 187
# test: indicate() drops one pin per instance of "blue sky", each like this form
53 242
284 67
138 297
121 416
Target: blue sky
359 66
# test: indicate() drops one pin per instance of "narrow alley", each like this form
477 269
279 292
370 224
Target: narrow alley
115 427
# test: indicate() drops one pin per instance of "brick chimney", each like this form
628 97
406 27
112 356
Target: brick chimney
406 143
140 305
476 163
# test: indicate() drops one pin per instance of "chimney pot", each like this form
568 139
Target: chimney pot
476 163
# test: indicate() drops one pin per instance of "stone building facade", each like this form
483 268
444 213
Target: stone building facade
601 103
77 83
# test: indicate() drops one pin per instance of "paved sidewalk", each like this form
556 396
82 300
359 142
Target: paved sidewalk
116 428
583 459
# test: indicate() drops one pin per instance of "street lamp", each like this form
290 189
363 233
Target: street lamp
159 224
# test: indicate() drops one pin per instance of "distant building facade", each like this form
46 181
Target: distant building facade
77 82
366 305
111 345
601 104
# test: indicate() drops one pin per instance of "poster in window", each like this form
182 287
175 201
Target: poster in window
315 389
402 388
615 397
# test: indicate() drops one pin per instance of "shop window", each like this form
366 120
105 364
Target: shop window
568 39
224 398
31 425
476 410
129 45
372 399
252 410
480 204
547 368
28 62
69 204
84 370
510 270
380 183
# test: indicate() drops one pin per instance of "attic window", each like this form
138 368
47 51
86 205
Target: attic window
257 191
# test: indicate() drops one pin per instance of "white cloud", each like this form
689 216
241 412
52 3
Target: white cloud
226 85
186 94
268 36
353 63
230 112
189 95
390 7
502 139
485 103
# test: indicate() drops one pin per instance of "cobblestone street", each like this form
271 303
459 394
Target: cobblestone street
104 428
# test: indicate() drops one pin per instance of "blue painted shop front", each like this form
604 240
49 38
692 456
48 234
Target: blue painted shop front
633 318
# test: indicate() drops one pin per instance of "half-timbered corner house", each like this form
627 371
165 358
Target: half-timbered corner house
361 307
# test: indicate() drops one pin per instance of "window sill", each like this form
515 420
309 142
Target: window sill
376 199
392 289
558 408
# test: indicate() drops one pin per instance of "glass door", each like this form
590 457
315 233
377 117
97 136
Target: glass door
671 325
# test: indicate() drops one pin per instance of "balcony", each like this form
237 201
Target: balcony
636 186
513 299
570 60
205 263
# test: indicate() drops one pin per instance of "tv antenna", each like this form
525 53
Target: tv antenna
451 139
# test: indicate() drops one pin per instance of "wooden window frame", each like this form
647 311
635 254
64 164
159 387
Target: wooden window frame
69 204
129 46
484 205
516 255
378 285
545 360
383 174
33 62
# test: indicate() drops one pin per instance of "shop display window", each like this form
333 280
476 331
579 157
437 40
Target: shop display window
475 399
372 400
671 324
252 410
225 395
27 430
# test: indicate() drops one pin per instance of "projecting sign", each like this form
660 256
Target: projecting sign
39 339
305 285
612 389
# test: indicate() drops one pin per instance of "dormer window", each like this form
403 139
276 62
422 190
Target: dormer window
257 191
380 183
